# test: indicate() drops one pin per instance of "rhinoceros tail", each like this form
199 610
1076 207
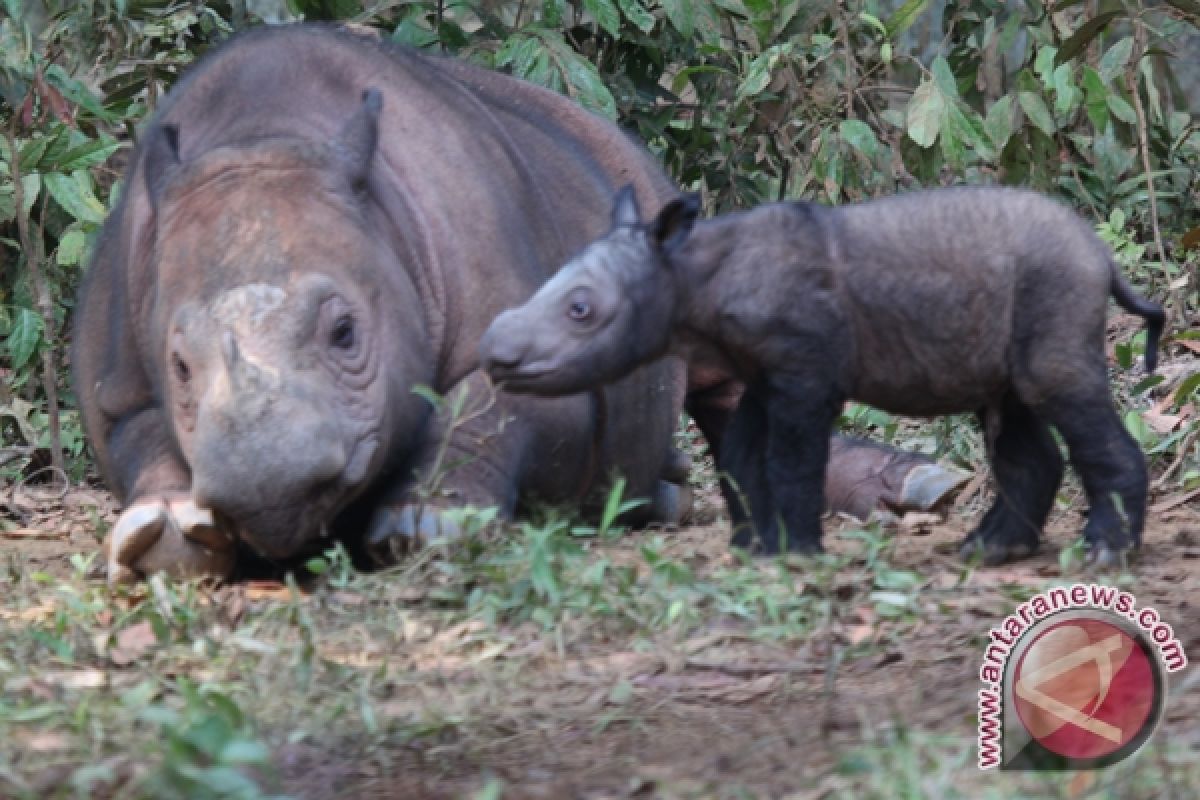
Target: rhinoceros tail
1134 303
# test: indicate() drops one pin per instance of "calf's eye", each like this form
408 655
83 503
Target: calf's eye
580 310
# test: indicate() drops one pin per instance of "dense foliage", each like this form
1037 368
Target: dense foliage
743 100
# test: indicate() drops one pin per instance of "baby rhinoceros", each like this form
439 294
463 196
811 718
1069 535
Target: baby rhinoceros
987 300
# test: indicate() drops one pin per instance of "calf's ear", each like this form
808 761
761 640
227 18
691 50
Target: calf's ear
673 224
625 211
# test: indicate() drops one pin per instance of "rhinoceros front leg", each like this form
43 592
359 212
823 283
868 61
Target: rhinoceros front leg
160 529
168 534
485 448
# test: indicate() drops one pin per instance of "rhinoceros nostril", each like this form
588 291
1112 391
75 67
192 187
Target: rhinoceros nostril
499 351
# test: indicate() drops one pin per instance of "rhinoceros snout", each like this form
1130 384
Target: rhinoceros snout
502 347
277 493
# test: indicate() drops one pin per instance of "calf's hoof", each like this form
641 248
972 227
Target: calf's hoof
171 535
992 551
396 533
1105 557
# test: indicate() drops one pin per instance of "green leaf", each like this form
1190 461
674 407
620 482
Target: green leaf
244 751
23 337
859 135
874 22
682 14
1035 108
1095 98
1043 65
998 123
636 13
1191 7
1066 95
1081 38
88 154
31 187
552 13
1186 389
589 87
1121 109
924 114
605 13
1115 59
758 75
904 17
1138 428
74 193
943 76
70 248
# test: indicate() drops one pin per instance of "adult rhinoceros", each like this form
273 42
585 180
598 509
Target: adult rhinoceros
314 224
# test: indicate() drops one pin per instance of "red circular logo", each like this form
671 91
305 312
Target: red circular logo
1085 688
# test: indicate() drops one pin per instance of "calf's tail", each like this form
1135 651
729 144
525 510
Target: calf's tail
1134 303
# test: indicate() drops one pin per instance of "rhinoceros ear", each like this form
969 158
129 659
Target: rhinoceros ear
161 147
625 211
673 224
355 144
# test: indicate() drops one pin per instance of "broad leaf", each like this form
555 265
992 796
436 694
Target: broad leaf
925 111
904 17
74 193
998 123
70 248
605 13
859 135
682 14
636 13
1115 59
1035 108
23 336
1088 31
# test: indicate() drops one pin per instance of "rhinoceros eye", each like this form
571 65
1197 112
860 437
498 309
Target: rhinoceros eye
342 335
579 308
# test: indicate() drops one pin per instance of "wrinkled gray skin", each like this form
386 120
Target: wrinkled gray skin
314 224
984 300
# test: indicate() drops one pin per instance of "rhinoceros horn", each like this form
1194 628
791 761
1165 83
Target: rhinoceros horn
355 144
161 145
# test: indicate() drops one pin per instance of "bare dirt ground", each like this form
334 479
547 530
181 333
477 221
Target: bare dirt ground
721 711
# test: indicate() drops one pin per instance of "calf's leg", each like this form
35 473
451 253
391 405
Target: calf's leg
801 411
1112 468
741 462
1027 469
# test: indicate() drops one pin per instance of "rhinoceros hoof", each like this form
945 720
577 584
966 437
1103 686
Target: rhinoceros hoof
994 551
929 485
1104 558
399 532
672 503
168 535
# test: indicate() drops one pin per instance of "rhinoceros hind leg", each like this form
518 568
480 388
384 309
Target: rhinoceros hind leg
1028 470
167 534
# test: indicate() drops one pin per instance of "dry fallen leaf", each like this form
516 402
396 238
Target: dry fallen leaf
73 678
31 614
33 533
47 742
267 590
131 643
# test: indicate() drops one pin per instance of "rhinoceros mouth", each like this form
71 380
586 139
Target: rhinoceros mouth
521 378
